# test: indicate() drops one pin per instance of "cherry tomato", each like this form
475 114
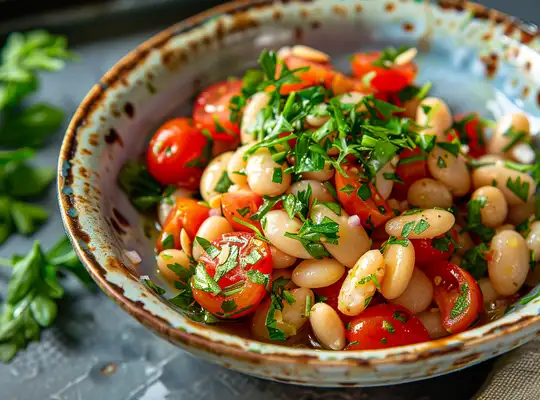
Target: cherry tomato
186 214
241 291
176 153
212 105
468 127
412 167
456 293
373 211
425 253
385 325
242 205
317 74
391 79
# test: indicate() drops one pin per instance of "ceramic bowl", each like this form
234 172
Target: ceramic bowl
477 59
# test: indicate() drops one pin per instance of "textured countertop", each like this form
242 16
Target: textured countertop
97 351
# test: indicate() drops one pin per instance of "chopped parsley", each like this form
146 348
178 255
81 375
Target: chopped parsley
276 303
228 305
474 218
441 163
369 278
243 211
277 176
452 148
387 326
203 281
462 302
258 278
519 188
167 242
401 316
152 286
388 56
224 183
474 261
348 189
208 247
312 234
364 192
416 227
227 265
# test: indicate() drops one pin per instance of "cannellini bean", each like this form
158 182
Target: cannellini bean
518 122
427 223
238 164
317 273
384 186
256 103
495 208
276 224
260 171
465 241
499 177
310 54
353 240
520 213
533 239
212 174
166 204
450 170
295 313
433 323
410 107
281 259
186 242
429 193
258 323
456 259
488 292
318 190
418 295
284 273
360 284
172 257
437 120
399 262
321 176
327 326
211 229
509 263
315 120
505 227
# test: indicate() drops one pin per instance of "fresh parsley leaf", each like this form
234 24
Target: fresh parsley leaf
331 190
387 326
474 217
475 262
203 281
364 192
370 278
334 207
388 56
224 183
462 302
277 176
453 148
520 189
152 286
268 204
228 305
441 163
140 187
258 278
167 242
348 189
252 227
243 211
208 247
311 234
401 316
230 263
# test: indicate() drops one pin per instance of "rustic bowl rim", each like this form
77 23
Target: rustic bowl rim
127 64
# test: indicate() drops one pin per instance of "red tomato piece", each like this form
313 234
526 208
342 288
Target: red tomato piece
241 205
456 293
425 253
239 295
470 130
212 105
385 325
177 153
412 167
186 214
317 74
391 79
373 211
332 293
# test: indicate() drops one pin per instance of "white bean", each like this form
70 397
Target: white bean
488 292
167 203
317 273
465 241
286 274
310 54
399 262
438 118
500 177
258 323
425 224
322 175
353 240
520 213
256 103
495 208
429 193
212 174
361 283
533 239
238 164
384 186
433 323
318 190
280 259
418 295
518 122
173 258
260 171
295 313
509 263
316 120
450 170
327 326
276 223
211 229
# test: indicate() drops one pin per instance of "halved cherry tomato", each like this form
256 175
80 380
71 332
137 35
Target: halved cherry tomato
391 79
186 214
317 74
241 205
177 153
212 105
425 253
373 211
241 291
469 128
456 293
385 325
412 166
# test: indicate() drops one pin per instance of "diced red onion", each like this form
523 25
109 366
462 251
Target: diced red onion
214 212
354 220
133 256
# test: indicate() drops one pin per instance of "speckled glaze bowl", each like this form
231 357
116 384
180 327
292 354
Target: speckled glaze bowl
478 60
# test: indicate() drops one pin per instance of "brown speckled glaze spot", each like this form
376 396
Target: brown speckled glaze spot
94 139
277 15
525 91
113 137
86 152
528 66
389 7
84 172
129 109
408 27
491 62
359 8
339 10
